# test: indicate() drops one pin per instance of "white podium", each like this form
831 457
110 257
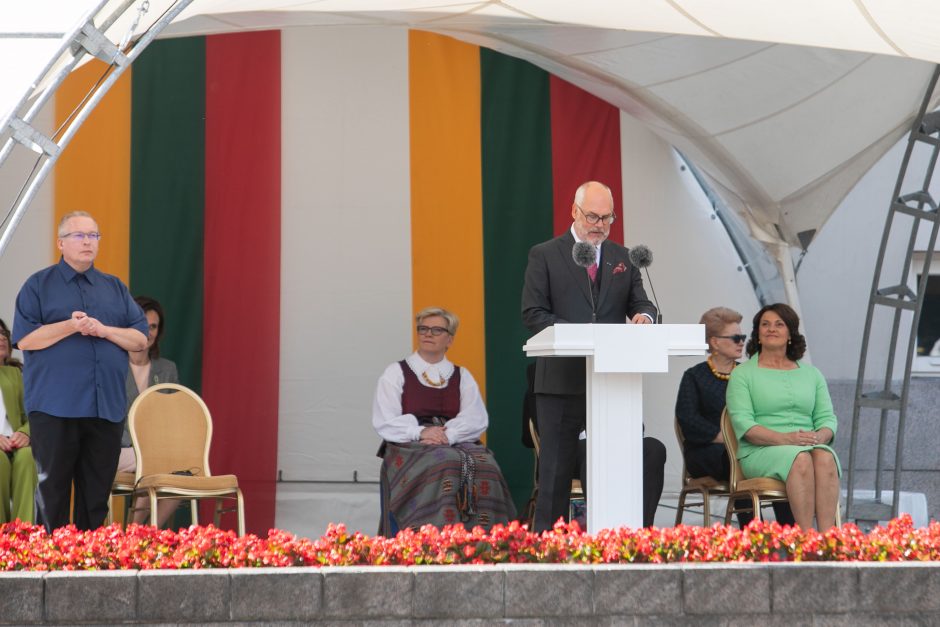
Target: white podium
617 355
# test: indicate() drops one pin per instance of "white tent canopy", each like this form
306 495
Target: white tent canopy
783 104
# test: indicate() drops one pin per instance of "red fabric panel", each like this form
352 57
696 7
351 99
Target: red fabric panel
585 147
241 320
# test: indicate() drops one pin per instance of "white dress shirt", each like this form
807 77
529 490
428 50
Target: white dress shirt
394 426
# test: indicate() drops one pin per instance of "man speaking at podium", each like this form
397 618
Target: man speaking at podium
564 285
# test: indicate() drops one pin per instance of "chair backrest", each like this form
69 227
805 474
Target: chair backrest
171 430
731 447
533 430
681 439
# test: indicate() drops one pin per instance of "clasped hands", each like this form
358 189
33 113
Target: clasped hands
15 441
434 435
806 438
86 325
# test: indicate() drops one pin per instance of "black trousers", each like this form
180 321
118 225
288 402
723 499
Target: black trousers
83 450
560 419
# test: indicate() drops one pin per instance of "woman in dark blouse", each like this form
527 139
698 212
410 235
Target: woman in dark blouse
701 400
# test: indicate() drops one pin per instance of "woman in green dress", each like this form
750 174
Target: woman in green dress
782 415
18 476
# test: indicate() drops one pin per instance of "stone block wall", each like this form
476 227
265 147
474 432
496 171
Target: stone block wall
703 594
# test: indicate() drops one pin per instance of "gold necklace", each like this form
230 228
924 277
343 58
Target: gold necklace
437 384
724 376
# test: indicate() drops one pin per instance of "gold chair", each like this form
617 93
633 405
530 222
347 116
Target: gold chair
760 491
171 430
529 512
706 486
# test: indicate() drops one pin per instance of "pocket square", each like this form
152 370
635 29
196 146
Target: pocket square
620 267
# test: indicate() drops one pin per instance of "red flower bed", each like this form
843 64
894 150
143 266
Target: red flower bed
29 547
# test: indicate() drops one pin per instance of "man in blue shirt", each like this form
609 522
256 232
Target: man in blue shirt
75 325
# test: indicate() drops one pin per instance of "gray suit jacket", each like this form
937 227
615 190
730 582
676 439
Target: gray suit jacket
161 371
557 290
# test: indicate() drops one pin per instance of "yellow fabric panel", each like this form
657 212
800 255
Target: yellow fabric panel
93 173
446 189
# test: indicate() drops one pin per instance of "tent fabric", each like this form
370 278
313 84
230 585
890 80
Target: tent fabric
346 246
782 107
745 90
269 189
242 261
446 188
585 146
167 193
515 126
94 174
202 200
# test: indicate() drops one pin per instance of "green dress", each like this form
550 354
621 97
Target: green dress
782 400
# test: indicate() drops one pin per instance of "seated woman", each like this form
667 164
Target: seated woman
18 476
6 348
430 415
701 400
147 368
782 415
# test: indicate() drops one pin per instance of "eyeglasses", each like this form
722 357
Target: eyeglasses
435 331
78 236
593 218
738 337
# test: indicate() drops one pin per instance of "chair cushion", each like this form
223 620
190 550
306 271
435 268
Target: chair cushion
169 482
123 481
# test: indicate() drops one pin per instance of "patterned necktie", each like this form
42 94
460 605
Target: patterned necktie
592 272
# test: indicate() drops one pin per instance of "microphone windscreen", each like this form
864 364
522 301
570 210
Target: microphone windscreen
584 254
641 256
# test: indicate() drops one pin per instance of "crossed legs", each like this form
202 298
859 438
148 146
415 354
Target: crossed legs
813 489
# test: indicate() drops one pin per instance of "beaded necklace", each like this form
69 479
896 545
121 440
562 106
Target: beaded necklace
437 384
723 376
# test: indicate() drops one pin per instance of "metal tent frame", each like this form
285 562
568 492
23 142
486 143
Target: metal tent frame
894 295
93 35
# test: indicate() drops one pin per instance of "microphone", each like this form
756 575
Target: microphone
642 257
585 255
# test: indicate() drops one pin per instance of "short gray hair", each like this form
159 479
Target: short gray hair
61 232
579 194
452 320
716 319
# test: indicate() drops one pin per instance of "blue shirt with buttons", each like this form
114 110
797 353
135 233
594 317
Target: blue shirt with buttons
79 376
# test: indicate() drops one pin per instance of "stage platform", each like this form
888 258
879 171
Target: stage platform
701 594
306 509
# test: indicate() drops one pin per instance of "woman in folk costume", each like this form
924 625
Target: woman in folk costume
430 415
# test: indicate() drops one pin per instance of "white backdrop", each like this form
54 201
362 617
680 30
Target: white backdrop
346 208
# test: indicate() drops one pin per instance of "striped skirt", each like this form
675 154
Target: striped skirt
442 485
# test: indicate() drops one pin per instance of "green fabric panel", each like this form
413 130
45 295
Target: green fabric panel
168 193
517 213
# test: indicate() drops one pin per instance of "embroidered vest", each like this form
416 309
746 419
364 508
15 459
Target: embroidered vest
429 402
